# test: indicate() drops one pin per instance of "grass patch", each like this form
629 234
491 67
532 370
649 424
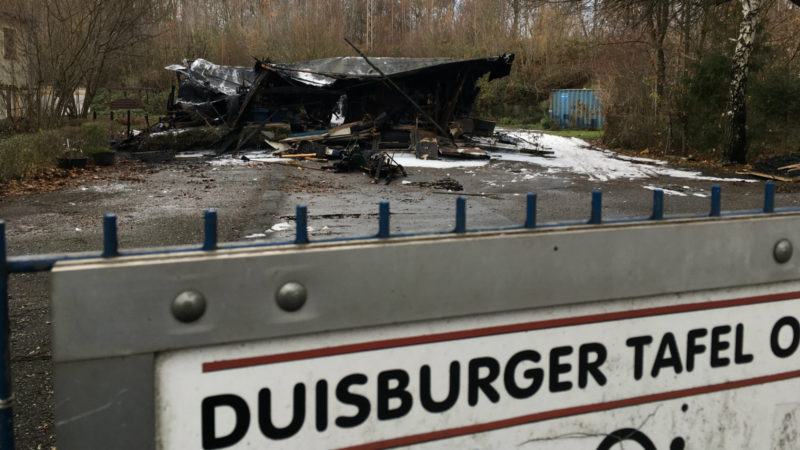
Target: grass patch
155 102
27 155
576 133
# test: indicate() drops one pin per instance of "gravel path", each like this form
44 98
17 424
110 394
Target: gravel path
162 205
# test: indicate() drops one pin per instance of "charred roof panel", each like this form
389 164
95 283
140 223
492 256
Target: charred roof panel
308 90
350 67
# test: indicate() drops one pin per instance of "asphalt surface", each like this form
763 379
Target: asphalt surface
163 206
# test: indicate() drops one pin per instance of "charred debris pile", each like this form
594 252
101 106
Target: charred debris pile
780 168
353 111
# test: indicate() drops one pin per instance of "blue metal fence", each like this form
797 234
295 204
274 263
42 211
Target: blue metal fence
576 108
24 264
6 399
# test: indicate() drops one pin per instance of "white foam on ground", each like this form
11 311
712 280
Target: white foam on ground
172 132
411 160
570 155
666 191
283 226
254 156
112 187
641 160
574 155
195 154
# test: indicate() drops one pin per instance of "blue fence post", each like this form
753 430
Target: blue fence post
658 205
461 215
6 399
716 201
769 197
597 208
383 220
301 236
530 212
210 230
110 241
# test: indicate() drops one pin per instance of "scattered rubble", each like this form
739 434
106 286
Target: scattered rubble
447 184
309 96
55 179
780 168
379 116
304 184
356 112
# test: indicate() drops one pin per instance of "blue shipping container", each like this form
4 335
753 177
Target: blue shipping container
576 108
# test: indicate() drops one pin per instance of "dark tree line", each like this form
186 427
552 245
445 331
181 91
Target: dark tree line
673 74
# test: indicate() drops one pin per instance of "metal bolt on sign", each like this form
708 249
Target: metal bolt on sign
190 305
783 251
291 296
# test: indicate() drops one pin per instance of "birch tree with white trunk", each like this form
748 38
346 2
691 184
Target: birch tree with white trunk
735 124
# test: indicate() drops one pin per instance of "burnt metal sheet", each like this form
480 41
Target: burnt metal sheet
227 80
324 72
307 95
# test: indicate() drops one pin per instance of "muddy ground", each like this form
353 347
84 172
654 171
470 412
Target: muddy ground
163 204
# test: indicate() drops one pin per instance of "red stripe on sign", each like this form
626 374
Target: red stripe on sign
566 412
215 366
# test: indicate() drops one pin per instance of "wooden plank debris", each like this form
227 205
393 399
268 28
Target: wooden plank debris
300 155
768 176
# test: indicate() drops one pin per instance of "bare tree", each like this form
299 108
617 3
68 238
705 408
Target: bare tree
654 18
73 44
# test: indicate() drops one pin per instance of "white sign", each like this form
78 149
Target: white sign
591 376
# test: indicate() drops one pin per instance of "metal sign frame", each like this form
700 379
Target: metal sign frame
104 367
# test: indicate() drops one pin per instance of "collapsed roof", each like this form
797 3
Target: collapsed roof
308 94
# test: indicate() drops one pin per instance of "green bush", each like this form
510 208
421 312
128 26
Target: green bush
773 110
7 128
509 96
705 93
87 138
773 104
25 155
547 122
